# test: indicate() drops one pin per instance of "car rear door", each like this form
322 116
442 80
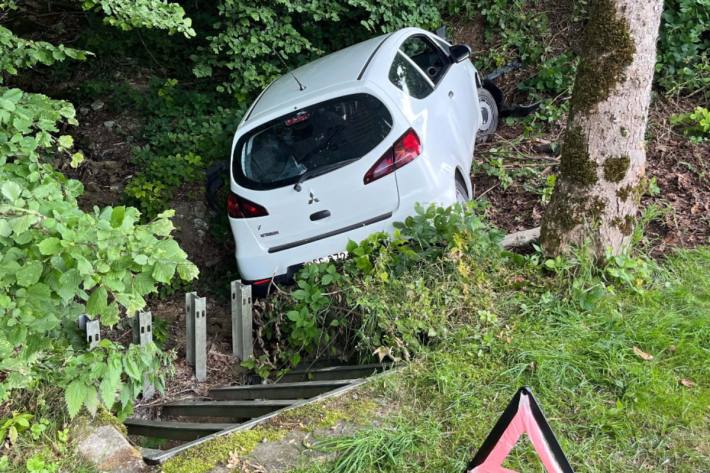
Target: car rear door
333 199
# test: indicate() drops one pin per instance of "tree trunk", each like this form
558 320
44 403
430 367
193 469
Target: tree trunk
602 167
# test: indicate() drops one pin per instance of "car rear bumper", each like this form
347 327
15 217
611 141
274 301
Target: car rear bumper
281 262
257 260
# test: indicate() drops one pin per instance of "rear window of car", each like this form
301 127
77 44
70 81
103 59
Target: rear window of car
313 140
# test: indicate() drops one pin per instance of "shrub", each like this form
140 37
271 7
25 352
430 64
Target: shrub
396 292
58 261
695 125
248 36
683 61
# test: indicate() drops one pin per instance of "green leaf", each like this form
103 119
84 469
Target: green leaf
11 190
50 246
164 271
5 228
187 271
84 266
140 259
29 273
76 159
117 215
143 283
96 305
69 284
66 141
131 368
74 396
92 401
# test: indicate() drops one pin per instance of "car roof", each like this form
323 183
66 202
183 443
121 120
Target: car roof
342 66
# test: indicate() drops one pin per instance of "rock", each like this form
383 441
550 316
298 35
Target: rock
97 105
83 110
109 451
199 223
109 124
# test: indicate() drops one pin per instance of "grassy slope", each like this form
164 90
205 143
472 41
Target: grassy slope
612 410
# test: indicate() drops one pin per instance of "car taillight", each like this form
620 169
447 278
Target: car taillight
239 207
401 153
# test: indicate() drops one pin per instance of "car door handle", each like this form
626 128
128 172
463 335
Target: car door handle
451 94
320 215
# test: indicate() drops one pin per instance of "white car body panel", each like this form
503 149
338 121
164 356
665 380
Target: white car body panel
446 122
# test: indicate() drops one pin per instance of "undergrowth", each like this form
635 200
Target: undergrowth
617 357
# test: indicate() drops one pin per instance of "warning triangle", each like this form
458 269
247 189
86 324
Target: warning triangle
522 416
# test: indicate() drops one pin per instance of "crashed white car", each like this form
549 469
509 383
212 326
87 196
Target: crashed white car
348 144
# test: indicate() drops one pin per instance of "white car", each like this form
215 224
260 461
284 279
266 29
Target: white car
348 144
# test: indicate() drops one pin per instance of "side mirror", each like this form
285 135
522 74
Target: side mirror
460 52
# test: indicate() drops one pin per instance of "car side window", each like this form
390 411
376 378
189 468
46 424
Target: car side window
407 76
425 54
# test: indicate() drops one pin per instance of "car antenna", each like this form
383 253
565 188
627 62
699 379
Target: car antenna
301 87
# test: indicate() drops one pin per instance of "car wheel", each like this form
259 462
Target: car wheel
461 191
489 115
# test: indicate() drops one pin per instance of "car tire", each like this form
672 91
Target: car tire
489 115
461 191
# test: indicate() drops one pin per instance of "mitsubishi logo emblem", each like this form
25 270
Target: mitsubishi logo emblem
312 198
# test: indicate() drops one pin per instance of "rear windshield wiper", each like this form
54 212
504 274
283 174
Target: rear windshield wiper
309 173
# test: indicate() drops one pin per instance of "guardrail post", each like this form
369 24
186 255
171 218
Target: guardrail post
200 337
190 327
93 333
143 328
143 335
242 344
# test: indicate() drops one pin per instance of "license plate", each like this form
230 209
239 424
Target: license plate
343 255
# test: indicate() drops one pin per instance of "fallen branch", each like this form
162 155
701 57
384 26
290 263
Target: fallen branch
521 238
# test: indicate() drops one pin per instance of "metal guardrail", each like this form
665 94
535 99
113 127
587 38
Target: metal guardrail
237 407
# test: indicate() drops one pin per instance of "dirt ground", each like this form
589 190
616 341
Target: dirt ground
681 171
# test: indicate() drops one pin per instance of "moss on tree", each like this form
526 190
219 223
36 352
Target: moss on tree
624 193
615 168
625 225
606 50
576 165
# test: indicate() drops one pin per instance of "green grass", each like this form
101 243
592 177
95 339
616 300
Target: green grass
611 409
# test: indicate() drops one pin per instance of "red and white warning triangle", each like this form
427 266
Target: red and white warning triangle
522 416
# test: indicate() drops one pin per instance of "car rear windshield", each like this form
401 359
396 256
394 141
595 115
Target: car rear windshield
311 141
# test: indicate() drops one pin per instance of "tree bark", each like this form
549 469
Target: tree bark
602 166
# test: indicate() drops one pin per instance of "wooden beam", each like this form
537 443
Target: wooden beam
520 239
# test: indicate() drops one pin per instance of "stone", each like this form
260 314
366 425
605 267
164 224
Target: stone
83 110
109 451
200 223
109 124
97 105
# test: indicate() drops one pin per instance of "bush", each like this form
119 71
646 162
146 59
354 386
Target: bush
695 125
395 294
184 132
243 50
58 261
683 61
